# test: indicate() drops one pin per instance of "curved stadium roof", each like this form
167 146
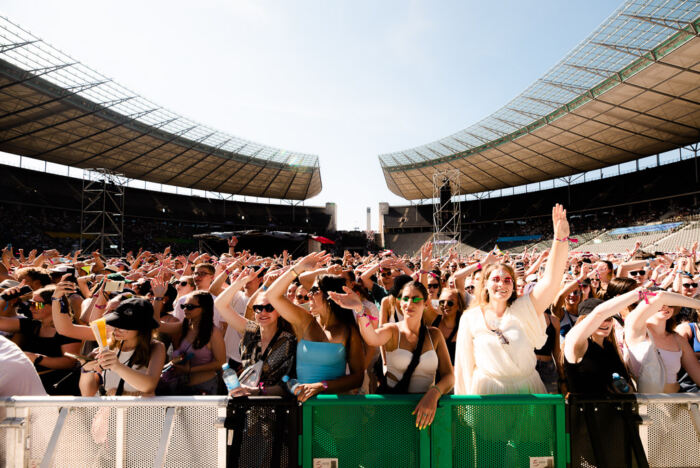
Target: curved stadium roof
631 89
56 109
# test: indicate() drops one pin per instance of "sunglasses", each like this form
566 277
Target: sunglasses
469 288
443 302
258 308
498 279
302 298
415 300
385 274
37 304
183 283
637 272
189 306
433 286
575 293
690 285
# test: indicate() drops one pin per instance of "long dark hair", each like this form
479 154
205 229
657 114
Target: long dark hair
206 320
335 283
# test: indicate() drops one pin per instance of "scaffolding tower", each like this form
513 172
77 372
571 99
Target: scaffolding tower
447 219
102 213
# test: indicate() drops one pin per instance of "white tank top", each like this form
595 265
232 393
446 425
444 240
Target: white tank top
423 377
112 378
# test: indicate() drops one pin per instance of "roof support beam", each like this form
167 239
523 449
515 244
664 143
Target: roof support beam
676 25
152 129
215 149
176 136
8 47
243 164
102 107
36 73
187 148
530 115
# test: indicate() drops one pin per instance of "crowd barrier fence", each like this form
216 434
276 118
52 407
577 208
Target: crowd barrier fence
331 431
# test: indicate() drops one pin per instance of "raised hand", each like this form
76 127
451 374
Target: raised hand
348 300
309 262
559 222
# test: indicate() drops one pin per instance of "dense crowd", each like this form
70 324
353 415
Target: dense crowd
488 323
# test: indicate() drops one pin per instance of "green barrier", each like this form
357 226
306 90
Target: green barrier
379 431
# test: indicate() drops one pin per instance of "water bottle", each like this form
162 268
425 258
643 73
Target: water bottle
230 377
620 383
291 384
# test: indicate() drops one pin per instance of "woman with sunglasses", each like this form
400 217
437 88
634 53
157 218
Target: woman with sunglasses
43 344
199 345
497 338
450 306
327 338
410 369
269 338
183 286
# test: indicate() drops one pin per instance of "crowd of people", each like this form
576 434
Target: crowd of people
556 321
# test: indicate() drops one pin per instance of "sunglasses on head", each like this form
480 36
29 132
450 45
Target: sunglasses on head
637 272
433 286
449 303
690 285
258 308
189 306
415 299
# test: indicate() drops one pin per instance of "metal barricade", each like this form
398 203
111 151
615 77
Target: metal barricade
113 431
670 431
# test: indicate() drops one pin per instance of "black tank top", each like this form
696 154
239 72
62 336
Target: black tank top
548 347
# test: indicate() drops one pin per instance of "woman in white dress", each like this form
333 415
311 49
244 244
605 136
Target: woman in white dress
497 338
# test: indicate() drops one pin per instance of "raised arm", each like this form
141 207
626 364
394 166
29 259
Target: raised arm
62 322
351 300
636 321
297 316
223 302
576 342
546 289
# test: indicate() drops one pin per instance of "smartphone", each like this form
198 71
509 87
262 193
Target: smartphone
114 286
80 357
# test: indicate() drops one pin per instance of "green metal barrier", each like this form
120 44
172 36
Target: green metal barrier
379 431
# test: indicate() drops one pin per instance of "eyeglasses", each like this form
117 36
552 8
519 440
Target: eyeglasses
37 304
189 306
433 286
443 302
498 279
302 297
637 273
314 290
690 285
258 308
415 299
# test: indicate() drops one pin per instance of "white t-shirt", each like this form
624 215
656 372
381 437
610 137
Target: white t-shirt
17 373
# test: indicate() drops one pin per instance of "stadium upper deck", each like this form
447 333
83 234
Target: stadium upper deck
631 89
56 109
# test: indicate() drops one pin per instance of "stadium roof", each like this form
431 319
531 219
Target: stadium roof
631 89
56 109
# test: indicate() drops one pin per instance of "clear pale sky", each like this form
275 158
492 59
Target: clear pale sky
346 80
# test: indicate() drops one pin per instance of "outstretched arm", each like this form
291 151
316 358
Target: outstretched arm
543 294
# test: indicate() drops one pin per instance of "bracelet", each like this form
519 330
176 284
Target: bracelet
261 387
157 298
436 388
100 306
55 299
325 385
296 275
571 239
265 288
479 266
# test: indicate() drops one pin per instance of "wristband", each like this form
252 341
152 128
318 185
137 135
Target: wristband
261 387
436 388
265 288
479 266
38 360
55 299
100 306
296 275
157 298
572 239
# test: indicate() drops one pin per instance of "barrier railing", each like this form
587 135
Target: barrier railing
370 431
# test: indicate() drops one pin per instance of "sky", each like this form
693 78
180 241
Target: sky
345 80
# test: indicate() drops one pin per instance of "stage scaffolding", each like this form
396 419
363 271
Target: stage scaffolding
447 218
102 213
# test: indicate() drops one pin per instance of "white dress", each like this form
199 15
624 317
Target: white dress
486 366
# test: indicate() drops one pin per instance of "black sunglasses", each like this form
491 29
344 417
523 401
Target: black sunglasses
469 288
448 302
433 286
189 306
385 273
258 308
183 283
690 285
302 298
637 272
